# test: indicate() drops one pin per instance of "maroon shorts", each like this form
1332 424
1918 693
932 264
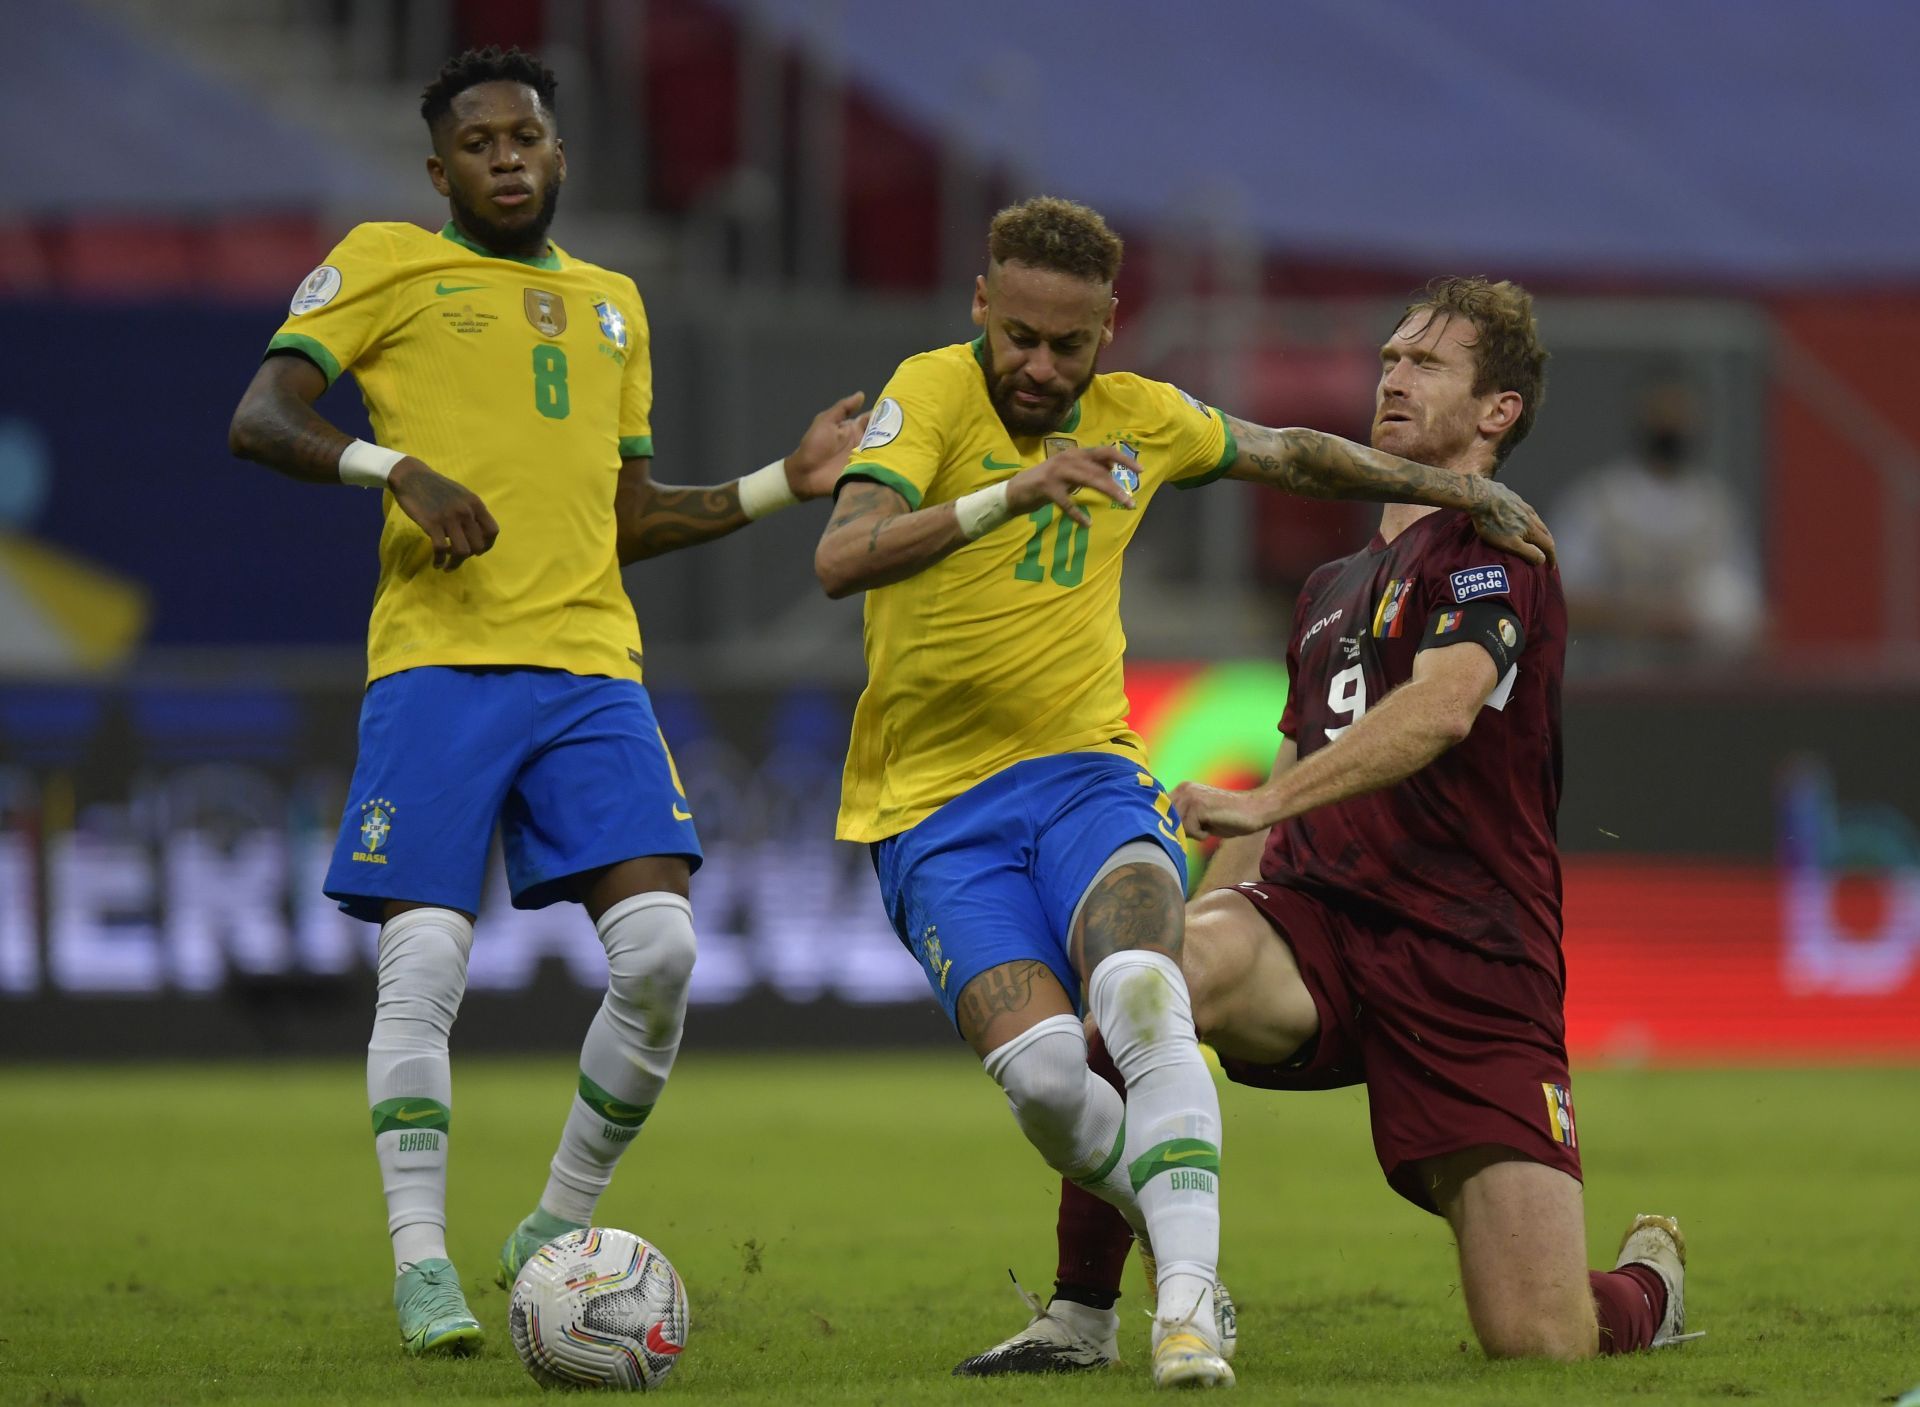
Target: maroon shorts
1456 1050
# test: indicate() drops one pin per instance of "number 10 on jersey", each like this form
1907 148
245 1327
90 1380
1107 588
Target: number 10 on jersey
1069 549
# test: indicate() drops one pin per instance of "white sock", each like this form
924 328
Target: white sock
1075 1118
423 973
629 1048
1140 1003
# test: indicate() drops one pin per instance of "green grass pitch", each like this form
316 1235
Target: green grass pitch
845 1225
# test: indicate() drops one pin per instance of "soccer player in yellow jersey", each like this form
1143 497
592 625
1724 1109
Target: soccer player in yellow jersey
1024 848
509 386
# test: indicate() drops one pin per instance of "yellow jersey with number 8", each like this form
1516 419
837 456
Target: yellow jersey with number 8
526 381
1010 648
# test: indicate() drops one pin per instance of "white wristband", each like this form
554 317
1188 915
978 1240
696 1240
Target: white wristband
367 466
983 510
766 490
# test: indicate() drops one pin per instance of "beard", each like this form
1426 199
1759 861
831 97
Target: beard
517 241
1424 441
1022 422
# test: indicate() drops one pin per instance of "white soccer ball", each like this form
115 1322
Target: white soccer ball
598 1308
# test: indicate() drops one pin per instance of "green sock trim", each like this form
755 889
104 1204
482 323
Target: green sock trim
614 1111
1175 1155
1099 1174
413 1112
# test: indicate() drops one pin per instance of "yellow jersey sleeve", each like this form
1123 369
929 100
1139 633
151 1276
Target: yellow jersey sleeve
636 385
343 308
907 434
1203 445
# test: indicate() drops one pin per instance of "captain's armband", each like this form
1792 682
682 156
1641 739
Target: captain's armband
1490 624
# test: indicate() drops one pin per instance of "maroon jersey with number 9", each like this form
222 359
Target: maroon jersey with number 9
1465 848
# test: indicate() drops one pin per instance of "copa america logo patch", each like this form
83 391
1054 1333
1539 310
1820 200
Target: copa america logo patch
1474 582
884 425
316 290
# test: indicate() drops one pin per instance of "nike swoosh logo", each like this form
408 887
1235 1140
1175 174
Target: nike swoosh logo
680 815
411 1114
443 289
623 1111
987 462
658 1342
1185 1153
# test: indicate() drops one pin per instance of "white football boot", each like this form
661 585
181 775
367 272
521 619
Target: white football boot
1656 1242
1063 1337
1226 1319
1185 1354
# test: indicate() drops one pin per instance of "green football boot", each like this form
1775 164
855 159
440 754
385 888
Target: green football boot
434 1317
529 1236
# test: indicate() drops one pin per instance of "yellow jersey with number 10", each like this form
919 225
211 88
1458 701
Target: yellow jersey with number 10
1010 648
527 381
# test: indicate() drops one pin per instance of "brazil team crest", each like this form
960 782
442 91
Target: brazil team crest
376 827
1128 475
613 326
546 311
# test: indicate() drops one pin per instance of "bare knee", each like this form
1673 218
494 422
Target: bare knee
1538 1333
1522 1240
1249 1002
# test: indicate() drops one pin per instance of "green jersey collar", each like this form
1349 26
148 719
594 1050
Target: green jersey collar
548 260
979 346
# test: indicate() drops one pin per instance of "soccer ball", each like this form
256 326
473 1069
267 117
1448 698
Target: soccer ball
598 1308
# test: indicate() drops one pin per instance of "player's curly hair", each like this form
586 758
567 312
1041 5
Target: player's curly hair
489 65
1507 355
1047 232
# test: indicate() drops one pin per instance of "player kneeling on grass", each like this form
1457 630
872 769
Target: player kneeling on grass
1399 925
511 388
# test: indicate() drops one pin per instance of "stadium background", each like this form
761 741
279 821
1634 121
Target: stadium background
800 190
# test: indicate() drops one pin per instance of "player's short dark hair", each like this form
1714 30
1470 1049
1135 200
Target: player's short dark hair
489 65
1507 355
1047 232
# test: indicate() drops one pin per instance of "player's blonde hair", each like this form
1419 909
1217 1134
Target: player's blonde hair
1507 355
1047 232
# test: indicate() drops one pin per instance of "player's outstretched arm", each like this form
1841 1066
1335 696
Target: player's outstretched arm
658 518
276 425
1314 464
1237 861
876 538
1406 730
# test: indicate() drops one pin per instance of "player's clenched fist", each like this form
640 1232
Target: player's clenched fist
1205 811
452 516
1056 479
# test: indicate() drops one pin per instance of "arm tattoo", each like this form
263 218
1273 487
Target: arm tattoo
668 518
1137 906
860 501
1316 465
278 427
998 991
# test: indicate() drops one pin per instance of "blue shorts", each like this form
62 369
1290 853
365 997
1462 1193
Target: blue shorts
573 768
995 875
